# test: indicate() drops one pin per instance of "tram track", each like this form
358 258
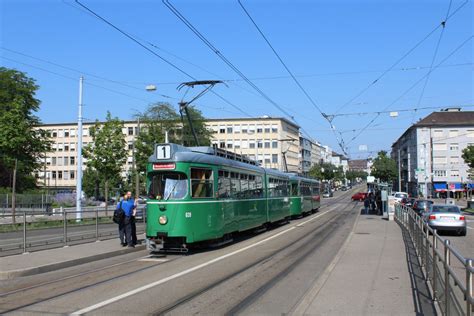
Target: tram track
281 264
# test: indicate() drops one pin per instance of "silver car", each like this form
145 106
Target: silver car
446 218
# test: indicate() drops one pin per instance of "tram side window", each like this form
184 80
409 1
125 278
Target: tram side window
223 186
315 189
235 184
305 189
258 186
282 188
202 183
244 186
294 189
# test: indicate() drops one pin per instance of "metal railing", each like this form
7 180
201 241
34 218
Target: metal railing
451 281
32 231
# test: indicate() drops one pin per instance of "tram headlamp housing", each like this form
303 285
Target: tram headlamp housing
163 219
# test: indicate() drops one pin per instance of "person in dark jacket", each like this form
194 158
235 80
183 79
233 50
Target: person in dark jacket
121 225
366 205
133 220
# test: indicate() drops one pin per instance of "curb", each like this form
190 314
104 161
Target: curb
7 275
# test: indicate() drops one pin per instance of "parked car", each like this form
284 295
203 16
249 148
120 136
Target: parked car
359 196
421 206
328 194
343 188
400 195
445 217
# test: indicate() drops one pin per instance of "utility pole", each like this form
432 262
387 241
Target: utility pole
399 173
79 155
137 175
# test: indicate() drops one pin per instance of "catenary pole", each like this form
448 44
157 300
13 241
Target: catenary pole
79 155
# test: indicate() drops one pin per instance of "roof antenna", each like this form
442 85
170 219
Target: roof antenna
183 106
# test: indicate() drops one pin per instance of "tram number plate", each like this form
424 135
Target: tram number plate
163 152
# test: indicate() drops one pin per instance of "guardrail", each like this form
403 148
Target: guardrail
40 230
452 292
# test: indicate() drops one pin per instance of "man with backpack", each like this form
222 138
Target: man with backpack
126 212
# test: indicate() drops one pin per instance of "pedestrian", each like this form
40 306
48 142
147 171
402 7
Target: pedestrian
366 205
121 222
129 205
133 220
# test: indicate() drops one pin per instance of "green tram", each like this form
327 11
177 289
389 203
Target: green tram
205 195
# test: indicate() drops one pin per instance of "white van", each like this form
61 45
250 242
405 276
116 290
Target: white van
400 195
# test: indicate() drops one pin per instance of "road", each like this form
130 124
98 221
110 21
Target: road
250 276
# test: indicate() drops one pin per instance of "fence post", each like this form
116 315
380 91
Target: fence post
64 227
96 224
469 291
24 232
427 249
435 245
447 257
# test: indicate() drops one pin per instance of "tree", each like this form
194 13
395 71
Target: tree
107 153
323 171
468 156
354 174
203 134
384 168
22 145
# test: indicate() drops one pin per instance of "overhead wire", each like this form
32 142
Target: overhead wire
300 86
186 22
376 80
132 38
412 86
435 54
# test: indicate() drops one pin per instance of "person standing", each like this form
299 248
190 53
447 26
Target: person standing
121 224
128 205
366 205
133 220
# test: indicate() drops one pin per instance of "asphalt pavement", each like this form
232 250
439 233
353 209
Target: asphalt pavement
267 273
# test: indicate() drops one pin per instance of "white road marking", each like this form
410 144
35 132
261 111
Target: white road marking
154 260
469 227
179 274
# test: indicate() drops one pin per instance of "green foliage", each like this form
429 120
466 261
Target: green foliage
468 156
107 154
354 174
203 134
161 117
324 171
19 140
384 168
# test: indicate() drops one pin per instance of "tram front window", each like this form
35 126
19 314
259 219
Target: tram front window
168 186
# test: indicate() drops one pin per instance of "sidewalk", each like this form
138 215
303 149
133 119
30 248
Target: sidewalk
375 273
60 258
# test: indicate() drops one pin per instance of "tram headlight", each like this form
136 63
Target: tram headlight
163 219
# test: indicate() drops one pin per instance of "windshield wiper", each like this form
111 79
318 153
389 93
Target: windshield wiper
172 190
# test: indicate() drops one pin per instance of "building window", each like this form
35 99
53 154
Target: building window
53 174
66 175
267 129
53 161
274 129
72 161
259 144
453 133
66 161
439 160
73 133
60 175
66 147
60 161
72 175
274 144
61 133
66 133
454 147
130 145
439 146
60 147
221 144
221 130
454 159
440 173
454 173
72 147
259 130
229 130
237 129
230 145
267 144
274 158
130 131
237 144
54 134
251 144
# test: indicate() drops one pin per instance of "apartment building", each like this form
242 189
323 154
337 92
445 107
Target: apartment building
430 152
60 165
266 139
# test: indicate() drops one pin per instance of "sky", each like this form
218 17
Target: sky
336 49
